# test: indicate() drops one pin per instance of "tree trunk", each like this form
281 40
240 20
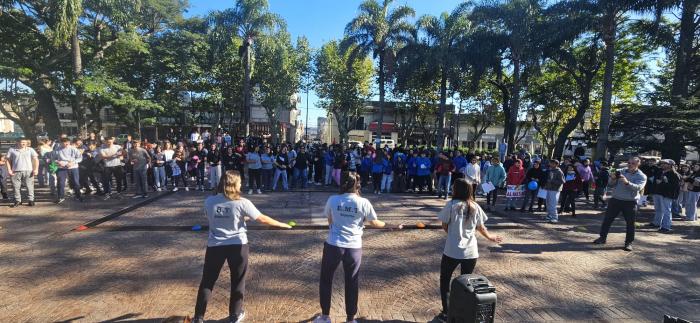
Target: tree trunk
78 111
381 98
515 106
47 109
246 90
342 127
441 114
570 126
609 36
679 88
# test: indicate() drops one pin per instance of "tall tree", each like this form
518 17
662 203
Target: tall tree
247 20
378 30
514 24
444 38
342 82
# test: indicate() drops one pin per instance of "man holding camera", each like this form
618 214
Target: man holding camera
626 186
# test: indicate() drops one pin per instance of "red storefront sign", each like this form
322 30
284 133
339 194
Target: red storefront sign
386 127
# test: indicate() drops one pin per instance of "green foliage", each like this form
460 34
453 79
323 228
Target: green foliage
342 83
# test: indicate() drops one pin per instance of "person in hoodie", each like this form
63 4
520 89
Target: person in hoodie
553 186
366 168
328 159
516 176
584 170
423 169
666 190
444 168
534 174
496 175
572 185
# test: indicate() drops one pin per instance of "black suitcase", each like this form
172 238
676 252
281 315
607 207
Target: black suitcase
472 299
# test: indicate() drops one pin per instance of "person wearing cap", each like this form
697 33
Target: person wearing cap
667 189
691 202
626 184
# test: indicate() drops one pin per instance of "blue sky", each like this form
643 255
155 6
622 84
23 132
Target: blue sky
320 21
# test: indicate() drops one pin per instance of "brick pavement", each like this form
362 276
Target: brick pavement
145 266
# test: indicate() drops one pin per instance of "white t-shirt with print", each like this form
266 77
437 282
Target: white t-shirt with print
227 220
349 213
461 230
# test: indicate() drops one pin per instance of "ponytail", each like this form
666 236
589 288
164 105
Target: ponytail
350 183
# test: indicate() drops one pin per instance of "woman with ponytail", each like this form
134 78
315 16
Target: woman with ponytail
227 212
347 214
460 218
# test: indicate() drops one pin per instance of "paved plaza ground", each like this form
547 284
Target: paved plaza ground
144 265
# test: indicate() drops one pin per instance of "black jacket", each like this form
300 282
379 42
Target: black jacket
670 185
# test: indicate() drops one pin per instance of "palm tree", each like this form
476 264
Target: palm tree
445 36
378 30
514 24
247 20
611 14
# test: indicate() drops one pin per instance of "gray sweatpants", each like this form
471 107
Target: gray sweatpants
27 178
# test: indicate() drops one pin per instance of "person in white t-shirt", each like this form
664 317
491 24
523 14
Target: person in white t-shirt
227 212
461 218
347 214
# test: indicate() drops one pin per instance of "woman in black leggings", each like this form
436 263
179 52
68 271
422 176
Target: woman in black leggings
460 218
228 242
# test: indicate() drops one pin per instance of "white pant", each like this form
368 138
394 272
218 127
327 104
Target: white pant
214 176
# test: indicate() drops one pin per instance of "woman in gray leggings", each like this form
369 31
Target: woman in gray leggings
347 213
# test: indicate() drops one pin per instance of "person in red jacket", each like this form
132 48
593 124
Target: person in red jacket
516 176
444 169
572 185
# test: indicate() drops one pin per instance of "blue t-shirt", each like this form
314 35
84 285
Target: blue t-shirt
460 162
348 213
266 161
227 220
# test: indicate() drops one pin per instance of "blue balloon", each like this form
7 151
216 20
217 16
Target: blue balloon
532 186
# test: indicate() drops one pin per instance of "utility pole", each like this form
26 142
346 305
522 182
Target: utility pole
306 131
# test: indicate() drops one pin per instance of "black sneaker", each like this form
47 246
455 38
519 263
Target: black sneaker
664 230
31 203
59 201
627 247
442 317
198 320
16 204
651 225
599 241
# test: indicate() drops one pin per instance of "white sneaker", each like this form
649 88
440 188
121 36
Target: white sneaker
322 319
159 189
250 192
238 319
259 192
187 189
175 189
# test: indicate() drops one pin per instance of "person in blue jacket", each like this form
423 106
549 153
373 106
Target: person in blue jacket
411 171
459 162
388 175
366 167
423 167
378 165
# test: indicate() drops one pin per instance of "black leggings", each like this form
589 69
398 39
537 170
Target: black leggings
237 258
255 177
447 267
351 259
377 182
568 201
